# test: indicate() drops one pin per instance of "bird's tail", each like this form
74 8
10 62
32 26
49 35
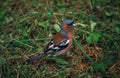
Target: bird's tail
38 57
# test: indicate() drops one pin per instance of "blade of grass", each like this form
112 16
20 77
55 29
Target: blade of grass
81 48
24 44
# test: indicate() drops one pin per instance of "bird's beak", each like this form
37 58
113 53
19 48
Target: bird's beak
74 25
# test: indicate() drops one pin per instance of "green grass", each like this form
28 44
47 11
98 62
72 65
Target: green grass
26 26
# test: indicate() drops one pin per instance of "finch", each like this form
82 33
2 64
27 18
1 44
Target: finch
59 44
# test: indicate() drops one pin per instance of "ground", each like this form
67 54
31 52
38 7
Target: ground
26 26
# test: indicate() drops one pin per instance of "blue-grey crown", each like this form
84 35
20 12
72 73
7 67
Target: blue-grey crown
69 22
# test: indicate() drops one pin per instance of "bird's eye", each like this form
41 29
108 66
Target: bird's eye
71 23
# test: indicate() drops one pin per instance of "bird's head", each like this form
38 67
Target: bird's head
67 26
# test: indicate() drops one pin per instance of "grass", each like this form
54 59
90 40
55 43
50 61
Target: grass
26 26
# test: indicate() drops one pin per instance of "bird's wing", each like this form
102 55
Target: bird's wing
51 48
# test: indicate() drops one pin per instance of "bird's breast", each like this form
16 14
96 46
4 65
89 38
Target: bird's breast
58 38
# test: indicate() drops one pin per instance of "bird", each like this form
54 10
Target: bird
59 44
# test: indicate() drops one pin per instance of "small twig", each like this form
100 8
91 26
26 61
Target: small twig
90 4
